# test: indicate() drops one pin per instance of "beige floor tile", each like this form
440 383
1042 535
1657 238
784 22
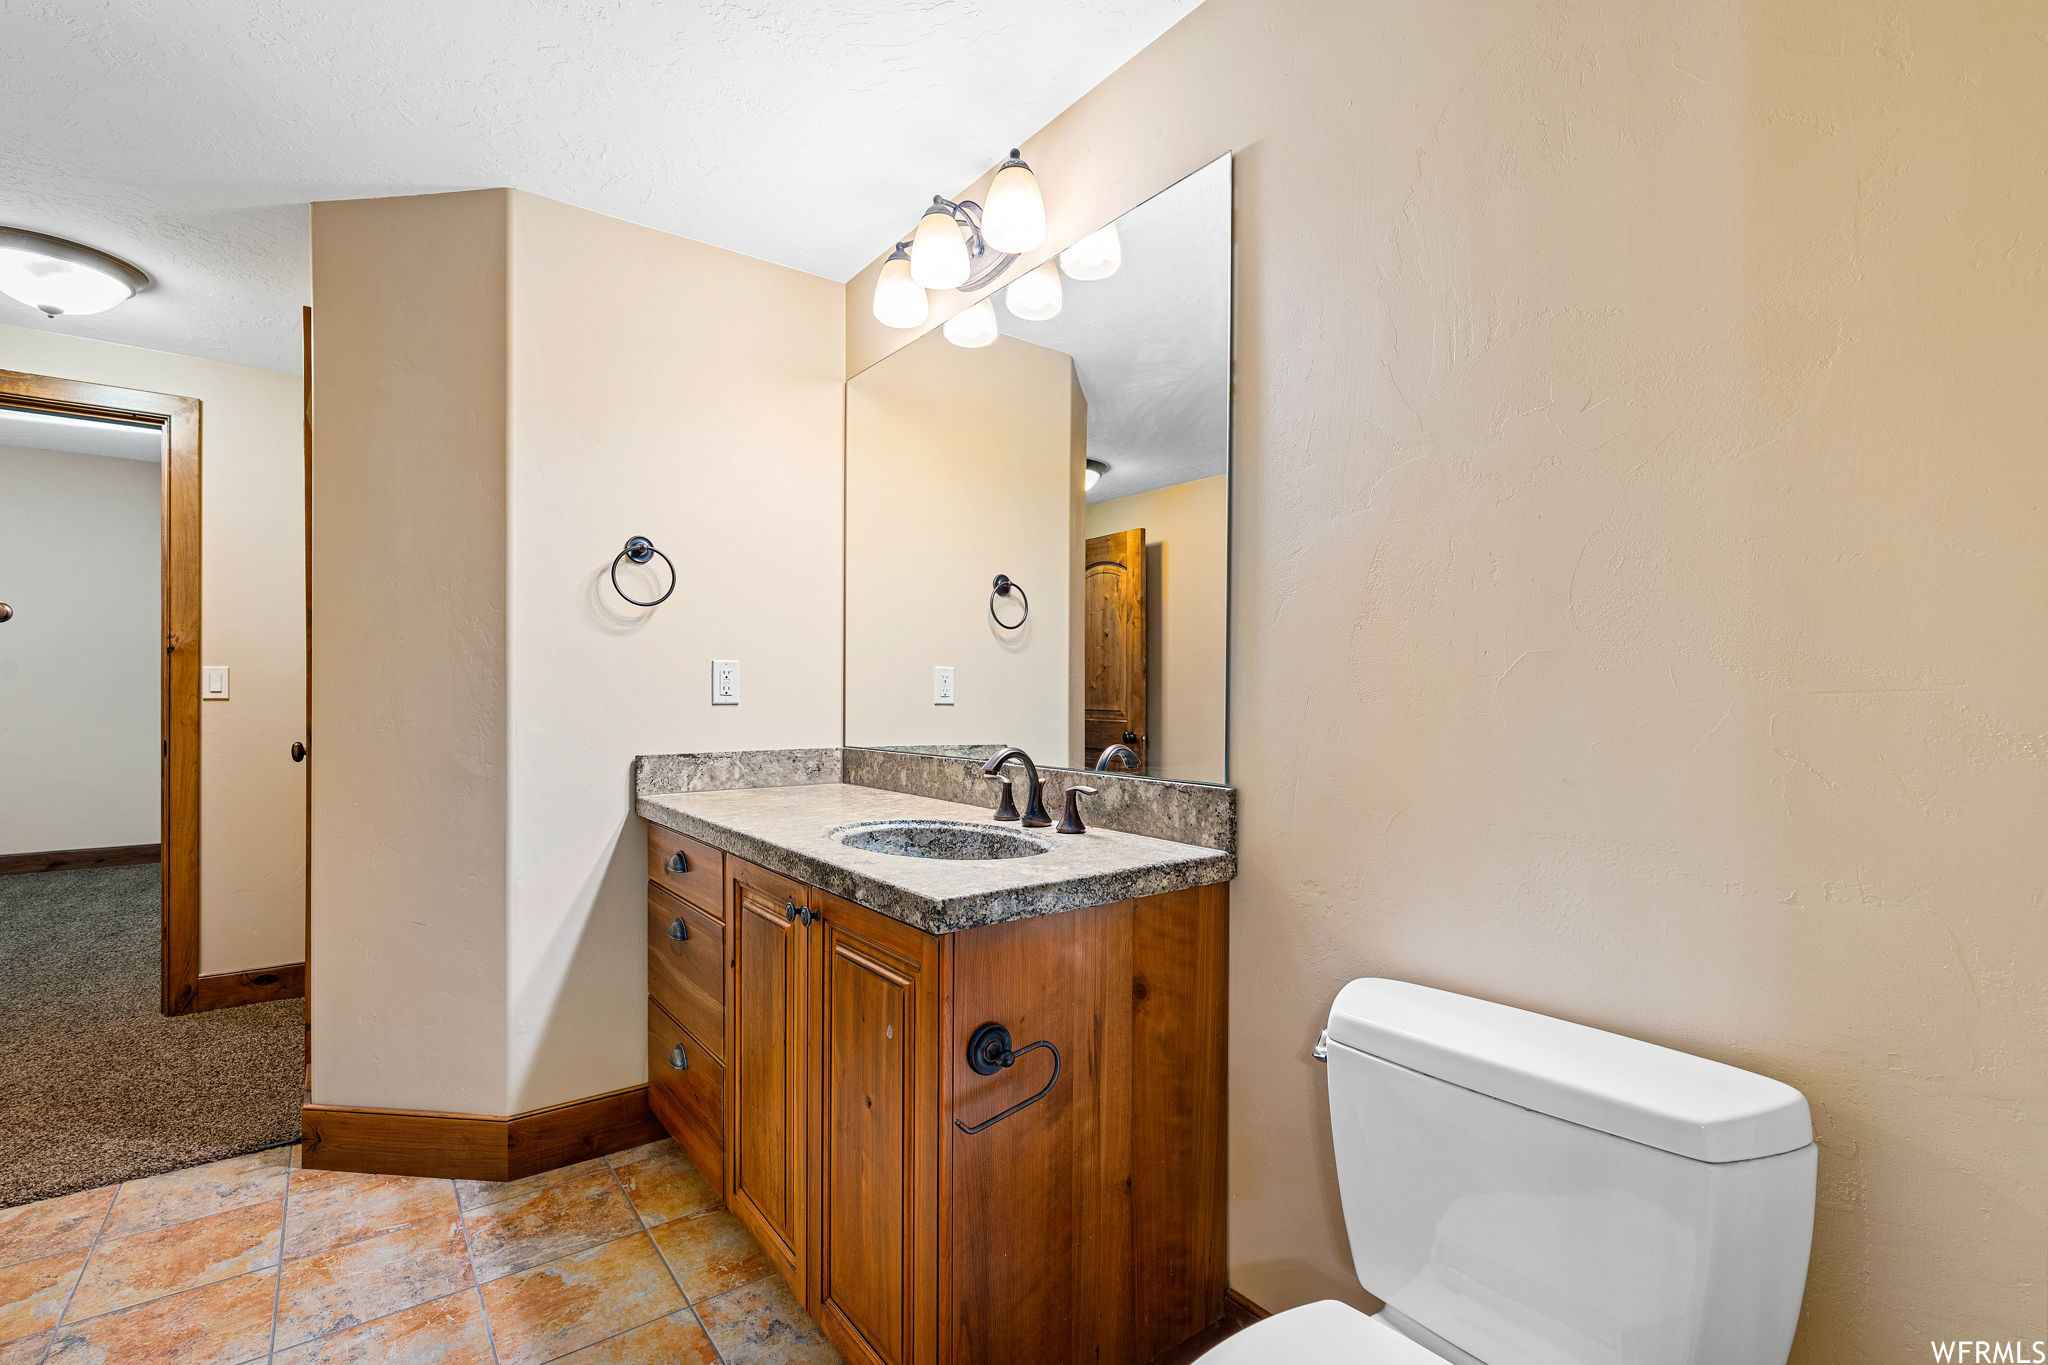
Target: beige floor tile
548 1223
371 1278
446 1331
149 1265
329 1208
476 1194
664 1186
710 1254
30 1232
224 1323
180 1196
579 1300
763 1324
30 1350
676 1340
32 1293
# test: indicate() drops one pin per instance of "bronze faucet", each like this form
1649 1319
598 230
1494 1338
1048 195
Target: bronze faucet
1123 751
1034 790
1070 821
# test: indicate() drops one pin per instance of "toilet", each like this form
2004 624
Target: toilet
1520 1190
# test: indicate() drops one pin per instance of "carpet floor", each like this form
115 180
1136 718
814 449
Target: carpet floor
95 1085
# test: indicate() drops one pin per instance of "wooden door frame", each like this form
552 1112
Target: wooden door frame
178 418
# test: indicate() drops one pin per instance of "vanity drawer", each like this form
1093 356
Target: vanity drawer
686 966
686 1089
688 867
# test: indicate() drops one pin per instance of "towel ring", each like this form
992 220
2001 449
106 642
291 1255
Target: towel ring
640 549
1004 586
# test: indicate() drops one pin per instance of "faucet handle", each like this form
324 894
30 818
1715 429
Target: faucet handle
1070 819
1006 806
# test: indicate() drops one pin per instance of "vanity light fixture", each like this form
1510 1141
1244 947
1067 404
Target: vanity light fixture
1036 296
1096 469
1014 220
1094 257
64 278
900 301
973 327
962 246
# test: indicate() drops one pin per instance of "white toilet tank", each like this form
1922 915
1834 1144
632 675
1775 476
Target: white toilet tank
1525 1191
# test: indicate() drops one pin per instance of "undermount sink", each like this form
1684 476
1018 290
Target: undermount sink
956 840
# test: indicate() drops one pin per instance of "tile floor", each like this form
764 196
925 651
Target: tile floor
618 1261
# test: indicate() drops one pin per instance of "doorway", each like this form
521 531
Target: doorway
85 416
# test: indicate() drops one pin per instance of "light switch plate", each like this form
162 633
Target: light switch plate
725 682
942 684
213 682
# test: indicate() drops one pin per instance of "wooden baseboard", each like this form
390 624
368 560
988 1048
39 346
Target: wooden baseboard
72 859
225 989
1241 1310
474 1146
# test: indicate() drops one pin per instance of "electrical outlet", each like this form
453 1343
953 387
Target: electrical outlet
942 685
725 682
213 682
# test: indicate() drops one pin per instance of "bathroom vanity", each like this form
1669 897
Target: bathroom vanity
935 1190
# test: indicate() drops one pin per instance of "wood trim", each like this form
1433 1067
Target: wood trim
224 990
179 418
306 487
1241 1310
475 1146
72 859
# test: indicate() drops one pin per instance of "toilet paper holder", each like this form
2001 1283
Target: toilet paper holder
989 1051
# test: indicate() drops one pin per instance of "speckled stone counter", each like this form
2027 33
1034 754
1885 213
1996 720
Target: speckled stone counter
788 829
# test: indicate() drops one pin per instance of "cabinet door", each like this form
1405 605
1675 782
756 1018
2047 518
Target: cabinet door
874 1244
768 1063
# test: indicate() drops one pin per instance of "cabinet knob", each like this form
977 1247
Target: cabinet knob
799 914
677 863
678 1060
679 931
298 752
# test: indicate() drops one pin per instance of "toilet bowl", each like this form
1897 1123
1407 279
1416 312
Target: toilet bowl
1520 1190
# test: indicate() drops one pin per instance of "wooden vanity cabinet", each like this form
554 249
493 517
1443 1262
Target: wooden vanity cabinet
1087 1226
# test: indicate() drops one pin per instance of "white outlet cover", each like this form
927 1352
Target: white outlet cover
725 682
942 684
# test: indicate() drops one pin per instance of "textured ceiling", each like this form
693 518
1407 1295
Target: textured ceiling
189 135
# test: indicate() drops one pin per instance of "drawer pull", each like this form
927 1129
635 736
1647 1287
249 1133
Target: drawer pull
677 864
678 1060
679 931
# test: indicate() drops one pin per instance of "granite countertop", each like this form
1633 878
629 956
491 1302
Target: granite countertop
788 830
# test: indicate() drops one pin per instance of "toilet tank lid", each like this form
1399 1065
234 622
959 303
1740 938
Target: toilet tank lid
1635 1090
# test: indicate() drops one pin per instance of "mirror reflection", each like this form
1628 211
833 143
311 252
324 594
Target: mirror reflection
1038 511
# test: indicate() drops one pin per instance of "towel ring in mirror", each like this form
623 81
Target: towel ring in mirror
1004 586
640 549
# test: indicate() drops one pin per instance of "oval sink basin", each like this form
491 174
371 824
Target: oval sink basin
956 840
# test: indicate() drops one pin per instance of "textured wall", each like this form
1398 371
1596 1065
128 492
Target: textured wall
1639 582
81 661
252 829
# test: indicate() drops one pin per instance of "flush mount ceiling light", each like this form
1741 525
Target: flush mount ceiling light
62 278
975 327
1096 469
1094 257
1035 296
962 245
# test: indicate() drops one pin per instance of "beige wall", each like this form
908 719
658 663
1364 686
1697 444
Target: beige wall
960 465
1639 489
1187 619
80 662
507 389
252 618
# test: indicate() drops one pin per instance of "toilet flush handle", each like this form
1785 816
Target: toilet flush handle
1321 1051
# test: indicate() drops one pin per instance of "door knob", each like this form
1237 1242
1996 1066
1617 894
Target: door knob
1130 736
298 752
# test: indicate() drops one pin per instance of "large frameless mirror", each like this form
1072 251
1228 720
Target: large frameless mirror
1038 510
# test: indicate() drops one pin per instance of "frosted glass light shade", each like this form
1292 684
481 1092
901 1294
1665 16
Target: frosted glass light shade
938 251
900 301
60 278
1094 257
974 328
1092 475
1036 295
1013 219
